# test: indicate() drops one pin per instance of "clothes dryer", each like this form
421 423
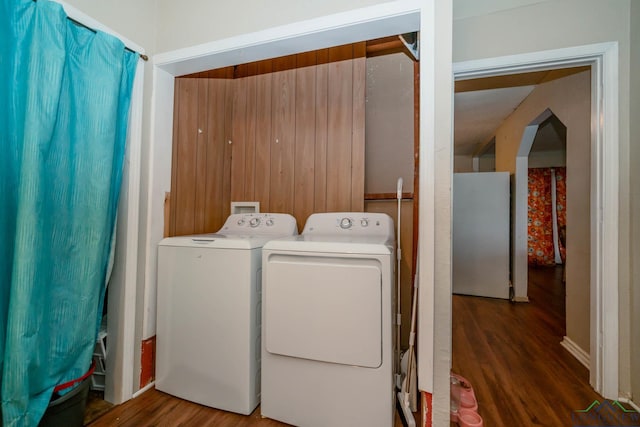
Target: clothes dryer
328 312
209 312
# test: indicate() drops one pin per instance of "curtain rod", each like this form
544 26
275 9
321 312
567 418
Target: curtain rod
142 55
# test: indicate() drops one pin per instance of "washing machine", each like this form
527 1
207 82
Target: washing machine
328 312
209 312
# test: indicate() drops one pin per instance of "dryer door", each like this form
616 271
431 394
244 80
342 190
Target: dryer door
324 308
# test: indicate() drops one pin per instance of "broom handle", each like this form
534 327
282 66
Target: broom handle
412 334
399 259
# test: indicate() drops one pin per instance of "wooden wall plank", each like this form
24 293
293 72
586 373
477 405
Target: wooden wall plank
358 126
322 111
296 125
173 212
216 143
305 117
226 167
185 160
340 119
238 139
263 134
201 156
250 134
283 135
167 214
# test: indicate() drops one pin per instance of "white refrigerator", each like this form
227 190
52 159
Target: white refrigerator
481 203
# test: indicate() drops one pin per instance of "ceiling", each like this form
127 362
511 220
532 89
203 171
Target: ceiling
479 113
481 105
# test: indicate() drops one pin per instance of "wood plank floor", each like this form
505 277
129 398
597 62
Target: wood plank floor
155 408
511 354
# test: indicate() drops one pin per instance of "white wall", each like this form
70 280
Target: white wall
547 159
462 163
135 20
569 99
192 22
389 123
470 8
566 23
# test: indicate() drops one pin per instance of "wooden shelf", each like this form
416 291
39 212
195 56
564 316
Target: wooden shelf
387 196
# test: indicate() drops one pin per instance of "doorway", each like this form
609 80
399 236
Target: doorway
603 188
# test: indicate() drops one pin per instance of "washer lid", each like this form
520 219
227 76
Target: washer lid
350 244
241 231
215 240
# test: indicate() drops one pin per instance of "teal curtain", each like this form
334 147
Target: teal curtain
64 110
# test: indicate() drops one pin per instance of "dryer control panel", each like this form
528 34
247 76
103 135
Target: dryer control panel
351 223
260 224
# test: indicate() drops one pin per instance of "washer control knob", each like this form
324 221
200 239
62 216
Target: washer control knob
345 223
364 222
269 222
254 222
241 221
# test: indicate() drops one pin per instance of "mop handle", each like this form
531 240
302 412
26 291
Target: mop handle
399 259
414 312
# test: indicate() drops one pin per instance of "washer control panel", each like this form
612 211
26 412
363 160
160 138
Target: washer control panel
260 223
353 223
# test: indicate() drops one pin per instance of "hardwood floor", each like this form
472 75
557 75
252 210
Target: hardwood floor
96 406
511 354
155 408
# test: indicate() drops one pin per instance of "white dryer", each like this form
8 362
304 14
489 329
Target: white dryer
328 310
208 316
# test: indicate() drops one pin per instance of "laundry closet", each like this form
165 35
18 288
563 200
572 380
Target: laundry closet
323 131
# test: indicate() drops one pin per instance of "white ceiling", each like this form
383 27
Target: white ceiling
479 113
481 105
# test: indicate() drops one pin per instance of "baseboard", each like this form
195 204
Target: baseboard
143 389
520 299
576 351
629 402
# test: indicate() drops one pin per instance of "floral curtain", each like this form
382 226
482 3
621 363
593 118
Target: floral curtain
541 235
561 206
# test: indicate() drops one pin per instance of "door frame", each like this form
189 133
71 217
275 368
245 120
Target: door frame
434 21
603 59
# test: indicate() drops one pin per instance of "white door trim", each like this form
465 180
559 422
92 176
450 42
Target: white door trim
120 380
603 58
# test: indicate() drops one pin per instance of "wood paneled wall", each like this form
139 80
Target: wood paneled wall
287 132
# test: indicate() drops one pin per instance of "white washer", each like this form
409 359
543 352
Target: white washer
328 310
209 312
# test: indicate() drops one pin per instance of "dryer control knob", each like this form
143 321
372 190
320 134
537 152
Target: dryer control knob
269 222
254 222
241 221
345 223
364 222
